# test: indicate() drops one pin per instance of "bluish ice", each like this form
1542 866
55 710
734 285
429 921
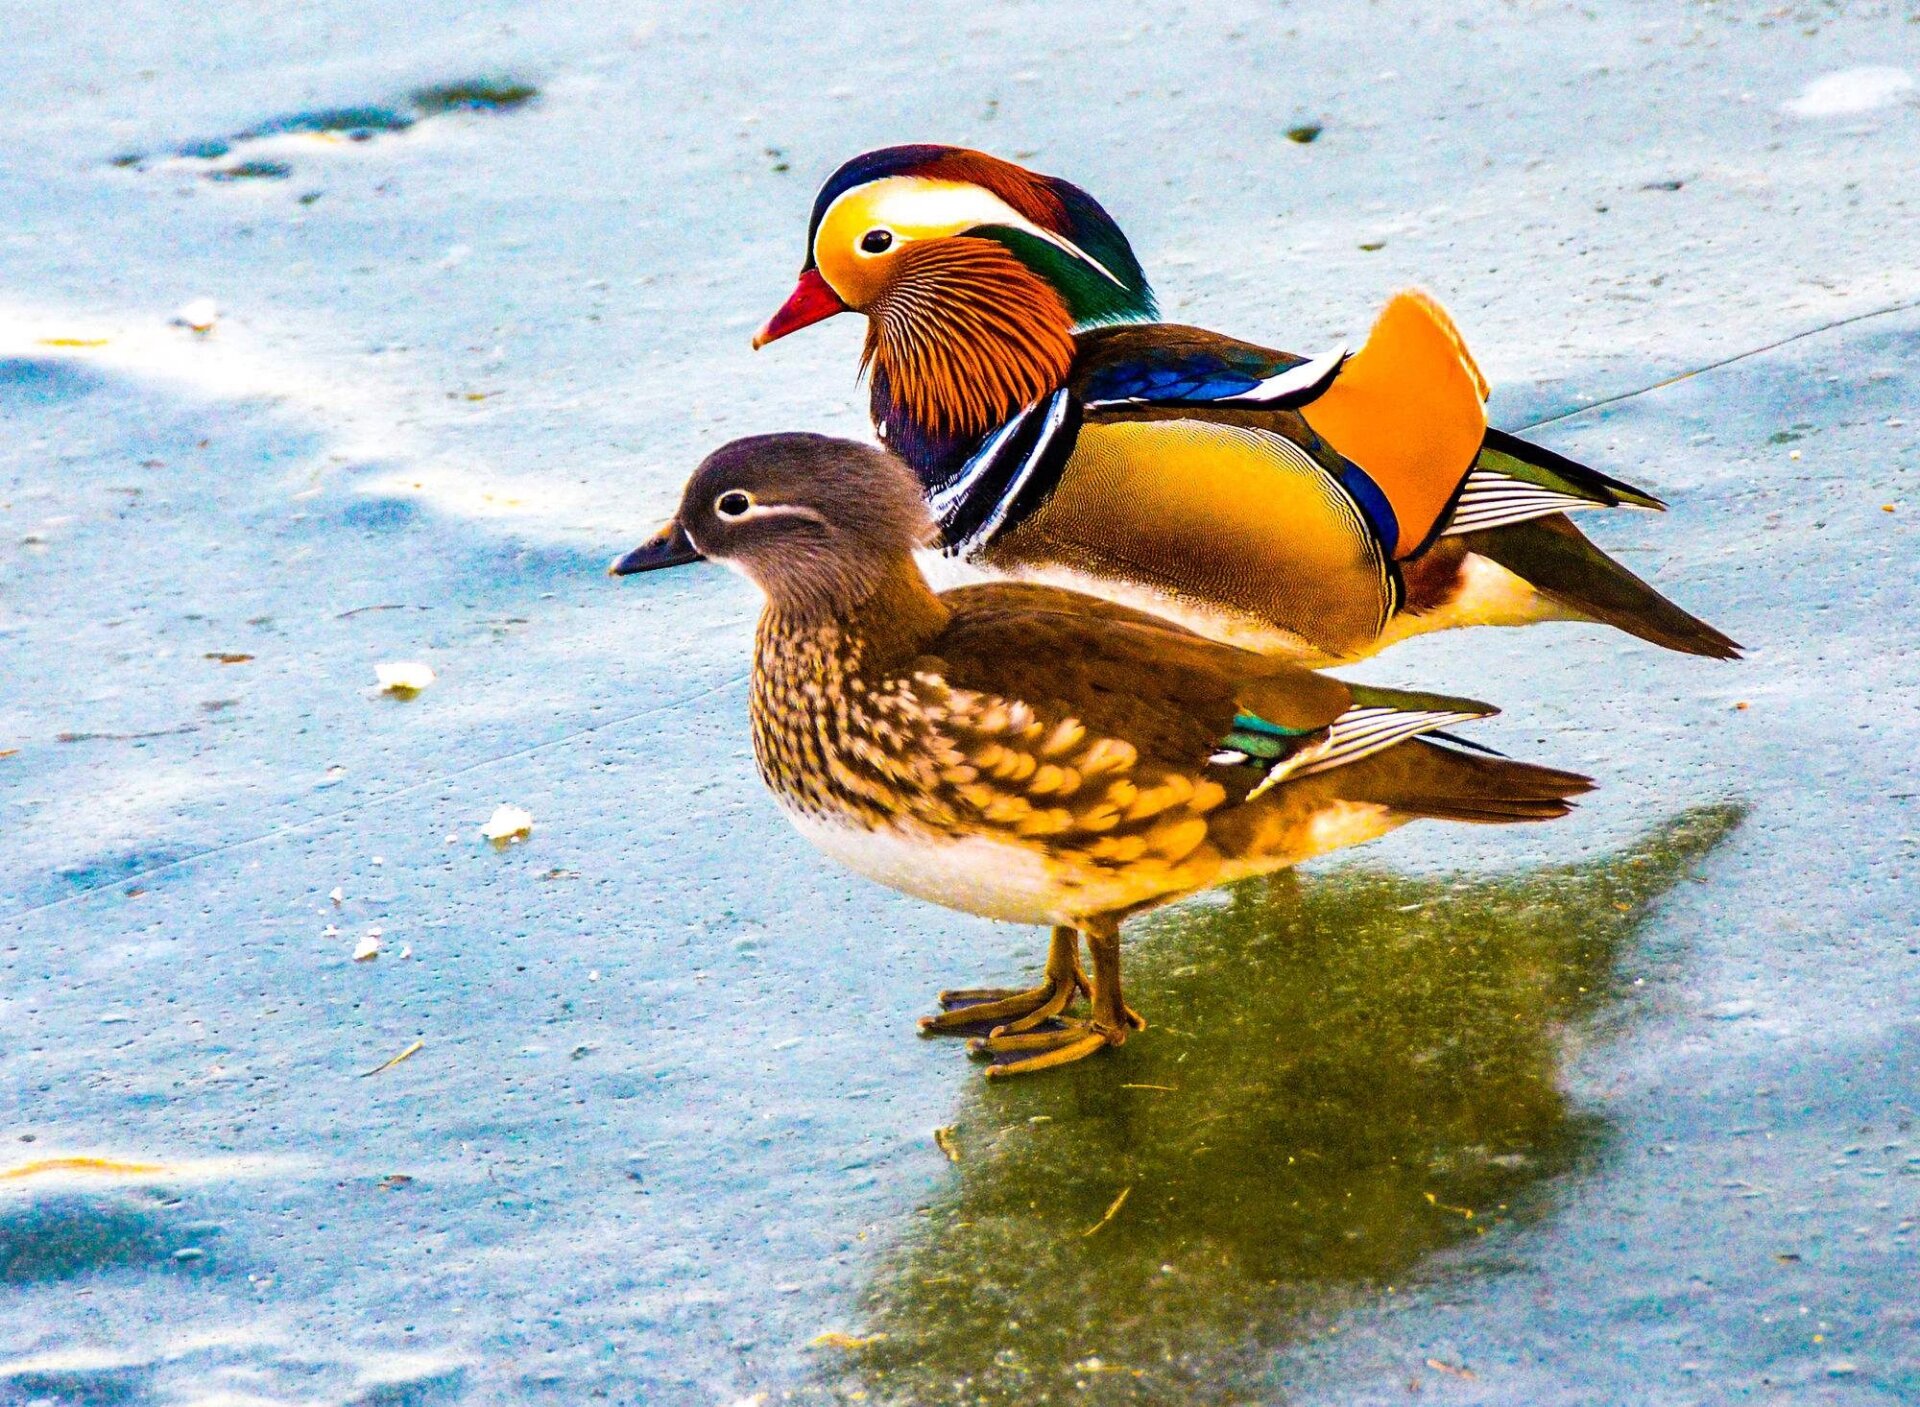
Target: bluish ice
1616 1110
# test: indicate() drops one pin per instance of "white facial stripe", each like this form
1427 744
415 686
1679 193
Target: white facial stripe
772 510
916 208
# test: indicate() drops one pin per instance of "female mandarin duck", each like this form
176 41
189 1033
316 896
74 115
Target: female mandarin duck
1317 509
1036 755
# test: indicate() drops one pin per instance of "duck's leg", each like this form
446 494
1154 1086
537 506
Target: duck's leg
973 1009
1110 1013
1023 1051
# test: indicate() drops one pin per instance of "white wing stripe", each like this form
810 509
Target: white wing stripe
1358 733
1306 380
1309 376
1351 748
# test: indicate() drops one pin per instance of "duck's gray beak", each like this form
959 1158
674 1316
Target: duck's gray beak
670 547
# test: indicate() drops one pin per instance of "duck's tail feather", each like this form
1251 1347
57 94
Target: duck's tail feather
1556 559
1426 779
1505 453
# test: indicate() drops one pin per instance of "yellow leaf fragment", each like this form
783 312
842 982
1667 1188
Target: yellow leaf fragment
403 678
406 1054
834 1338
107 1166
947 1143
1112 1211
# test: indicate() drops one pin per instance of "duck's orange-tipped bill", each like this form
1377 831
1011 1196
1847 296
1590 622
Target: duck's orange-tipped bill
670 547
811 301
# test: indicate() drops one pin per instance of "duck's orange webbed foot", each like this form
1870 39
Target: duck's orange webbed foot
971 1011
1025 1052
1042 1042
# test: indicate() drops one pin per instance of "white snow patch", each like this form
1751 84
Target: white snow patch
1851 90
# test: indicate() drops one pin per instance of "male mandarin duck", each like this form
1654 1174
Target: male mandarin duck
1319 509
1036 755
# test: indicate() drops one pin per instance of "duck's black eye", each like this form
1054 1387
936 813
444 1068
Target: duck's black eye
733 503
877 241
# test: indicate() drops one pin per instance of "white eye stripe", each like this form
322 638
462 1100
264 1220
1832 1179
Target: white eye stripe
772 510
911 207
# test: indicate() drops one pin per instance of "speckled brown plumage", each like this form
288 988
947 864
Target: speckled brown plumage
1032 754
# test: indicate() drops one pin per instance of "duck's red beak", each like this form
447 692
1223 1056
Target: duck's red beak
811 301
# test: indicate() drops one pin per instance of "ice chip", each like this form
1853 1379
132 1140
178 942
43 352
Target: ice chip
368 947
507 824
1851 90
200 315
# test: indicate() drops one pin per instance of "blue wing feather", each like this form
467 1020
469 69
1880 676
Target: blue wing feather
1181 378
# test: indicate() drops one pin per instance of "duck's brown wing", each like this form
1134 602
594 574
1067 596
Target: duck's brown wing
1169 694
1119 736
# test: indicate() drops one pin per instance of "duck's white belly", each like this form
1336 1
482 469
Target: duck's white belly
976 875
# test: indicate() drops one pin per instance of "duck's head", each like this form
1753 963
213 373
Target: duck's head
892 222
814 521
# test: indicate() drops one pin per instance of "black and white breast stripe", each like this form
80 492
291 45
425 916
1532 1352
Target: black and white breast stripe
1012 473
1491 499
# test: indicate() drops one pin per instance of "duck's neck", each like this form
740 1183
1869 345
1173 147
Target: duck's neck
888 617
817 677
966 337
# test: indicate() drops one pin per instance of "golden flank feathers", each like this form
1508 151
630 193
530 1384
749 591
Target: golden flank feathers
1226 514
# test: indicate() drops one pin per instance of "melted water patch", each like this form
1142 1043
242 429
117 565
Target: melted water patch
315 128
85 1380
45 380
474 95
71 1236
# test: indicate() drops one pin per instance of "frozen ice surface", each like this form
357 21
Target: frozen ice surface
661 1122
